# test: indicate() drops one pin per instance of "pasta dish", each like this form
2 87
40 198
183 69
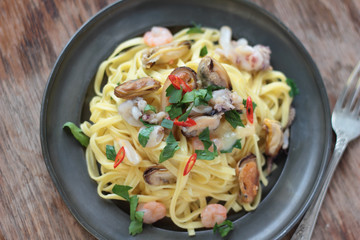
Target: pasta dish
186 126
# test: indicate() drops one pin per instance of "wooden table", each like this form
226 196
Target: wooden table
32 35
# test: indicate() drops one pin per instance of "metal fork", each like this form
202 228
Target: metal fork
346 124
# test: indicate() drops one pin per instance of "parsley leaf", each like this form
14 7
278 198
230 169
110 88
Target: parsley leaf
122 191
195 29
77 133
188 97
203 51
294 90
166 123
174 110
185 116
205 138
144 135
150 108
110 152
223 228
207 154
174 94
253 103
233 117
170 148
136 217
237 144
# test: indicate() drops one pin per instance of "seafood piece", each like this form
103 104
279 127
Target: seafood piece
199 145
224 100
158 175
153 211
200 110
165 53
154 118
248 177
202 122
241 54
158 36
130 152
137 88
155 137
292 114
132 110
186 74
213 213
211 72
274 137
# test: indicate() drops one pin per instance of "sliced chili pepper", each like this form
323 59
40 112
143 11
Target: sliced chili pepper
119 157
178 83
190 163
249 110
188 123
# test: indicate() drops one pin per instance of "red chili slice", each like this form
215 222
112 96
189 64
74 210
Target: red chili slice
249 110
190 163
188 123
178 83
119 157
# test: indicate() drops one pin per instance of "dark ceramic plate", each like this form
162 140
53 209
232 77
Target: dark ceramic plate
69 89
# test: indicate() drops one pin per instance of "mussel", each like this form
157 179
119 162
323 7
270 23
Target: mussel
158 175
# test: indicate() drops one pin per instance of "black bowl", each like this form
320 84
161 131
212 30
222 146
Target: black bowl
69 89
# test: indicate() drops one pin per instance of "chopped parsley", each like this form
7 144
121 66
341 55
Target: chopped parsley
150 108
203 51
206 154
144 135
174 94
77 133
166 123
174 110
294 90
223 228
170 148
233 117
110 152
195 29
136 217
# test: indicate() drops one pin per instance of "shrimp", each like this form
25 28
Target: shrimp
153 211
157 36
213 213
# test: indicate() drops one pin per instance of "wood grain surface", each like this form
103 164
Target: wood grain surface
32 35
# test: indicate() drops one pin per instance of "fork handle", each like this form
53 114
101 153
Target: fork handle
306 227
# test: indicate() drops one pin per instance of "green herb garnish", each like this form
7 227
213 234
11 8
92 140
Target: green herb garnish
77 133
205 138
174 110
294 90
203 51
166 123
110 152
233 117
185 115
174 94
195 29
136 217
223 228
144 135
237 144
150 108
146 124
170 148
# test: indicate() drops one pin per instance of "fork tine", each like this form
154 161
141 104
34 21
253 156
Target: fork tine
352 83
347 89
